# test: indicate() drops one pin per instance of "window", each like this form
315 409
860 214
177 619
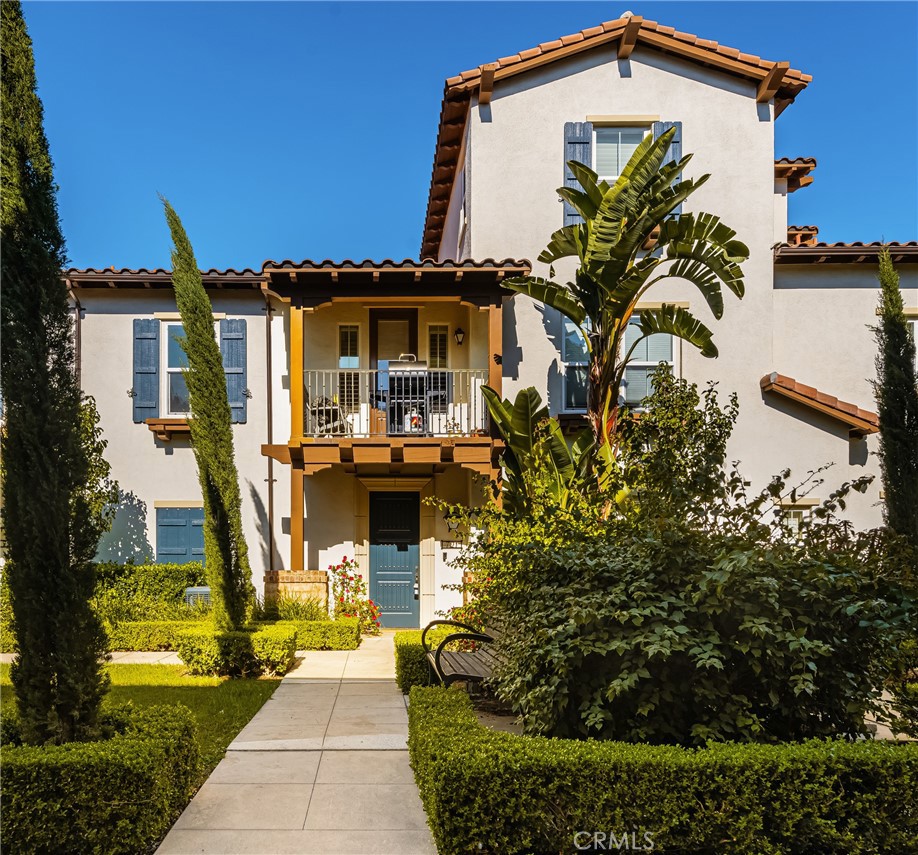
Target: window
575 358
177 403
793 514
613 149
437 362
179 534
649 353
349 357
637 384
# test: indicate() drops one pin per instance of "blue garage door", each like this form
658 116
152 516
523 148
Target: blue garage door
179 535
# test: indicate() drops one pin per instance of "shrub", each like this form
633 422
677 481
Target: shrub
351 596
113 796
283 606
411 666
675 608
247 653
148 634
144 592
339 634
494 792
7 638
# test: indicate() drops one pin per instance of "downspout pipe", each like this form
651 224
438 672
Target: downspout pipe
77 333
270 429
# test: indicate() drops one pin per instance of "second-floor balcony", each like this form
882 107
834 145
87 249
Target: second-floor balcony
399 398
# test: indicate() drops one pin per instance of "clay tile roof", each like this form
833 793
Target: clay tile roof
404 264
860 422
797 171
845 253
460 88
159 277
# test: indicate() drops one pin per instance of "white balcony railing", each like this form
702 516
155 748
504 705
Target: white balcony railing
414 402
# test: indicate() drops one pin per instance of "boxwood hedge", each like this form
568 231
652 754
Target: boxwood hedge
340 634
268 650
411 667
494 792
117 795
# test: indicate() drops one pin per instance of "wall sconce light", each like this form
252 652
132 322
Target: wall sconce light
460 336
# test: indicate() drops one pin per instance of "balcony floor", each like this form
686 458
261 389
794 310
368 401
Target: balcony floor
407 455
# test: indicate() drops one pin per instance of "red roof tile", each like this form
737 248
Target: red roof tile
459 89
860 422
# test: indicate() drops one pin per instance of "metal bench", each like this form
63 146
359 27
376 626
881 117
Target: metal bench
469 666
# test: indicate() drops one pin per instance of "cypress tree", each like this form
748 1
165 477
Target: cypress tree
225 551
58 678
897 404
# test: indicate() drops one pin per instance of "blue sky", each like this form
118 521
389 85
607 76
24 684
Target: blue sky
306 130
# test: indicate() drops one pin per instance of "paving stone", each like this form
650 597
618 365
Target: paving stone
364 767
282 842
252 806
321 769
360 702
366 726
368 806
267 767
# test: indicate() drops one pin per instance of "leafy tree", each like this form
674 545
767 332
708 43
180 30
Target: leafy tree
101 491
225 551
614 272
691 611
897 401
51 539
533 442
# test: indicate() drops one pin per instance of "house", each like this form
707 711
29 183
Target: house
355 386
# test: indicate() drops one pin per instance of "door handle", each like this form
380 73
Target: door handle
417 583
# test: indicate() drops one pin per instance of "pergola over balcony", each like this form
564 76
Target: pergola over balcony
363 426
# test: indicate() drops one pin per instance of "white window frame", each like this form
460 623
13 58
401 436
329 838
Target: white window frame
611 179
564 364
349 395
339 357
675 363
430 364
794 513
167 371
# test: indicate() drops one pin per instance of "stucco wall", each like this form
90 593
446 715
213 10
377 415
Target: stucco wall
149 470
517 148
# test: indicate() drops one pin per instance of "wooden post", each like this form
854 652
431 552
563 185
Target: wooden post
495 347
296 372
297 512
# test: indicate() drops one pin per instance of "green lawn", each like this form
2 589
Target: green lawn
221 706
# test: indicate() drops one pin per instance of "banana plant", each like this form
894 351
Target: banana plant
534 445
615 271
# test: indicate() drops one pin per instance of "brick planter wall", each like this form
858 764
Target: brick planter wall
308 584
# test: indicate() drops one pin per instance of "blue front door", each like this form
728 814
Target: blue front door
395 520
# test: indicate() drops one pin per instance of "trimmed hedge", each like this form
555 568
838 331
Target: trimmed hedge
114 796
411 667
339 634
270 650
494 792
149 634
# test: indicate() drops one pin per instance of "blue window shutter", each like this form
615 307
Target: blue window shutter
179 535
675 147
232 346
146 369
578 145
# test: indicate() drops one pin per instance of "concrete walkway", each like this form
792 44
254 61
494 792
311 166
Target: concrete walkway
321 769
